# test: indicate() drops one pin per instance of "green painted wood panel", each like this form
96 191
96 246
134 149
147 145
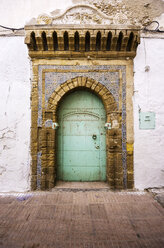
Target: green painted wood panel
80 157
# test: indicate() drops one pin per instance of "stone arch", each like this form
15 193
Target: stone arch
114 169
79 82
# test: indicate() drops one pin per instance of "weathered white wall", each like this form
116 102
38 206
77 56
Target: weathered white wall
149 96
15 101
16 13
15 88
14 115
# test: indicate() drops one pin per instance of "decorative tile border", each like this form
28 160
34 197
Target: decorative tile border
39 165
107 75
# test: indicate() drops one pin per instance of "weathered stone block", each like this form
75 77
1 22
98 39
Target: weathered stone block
93 86
119 168
83 81
70 85
79 80
98 88
111 170
33 184
50 184
111 182
130 184
43 184
130 163
50 163
119 183
34 170
61 92
103 91
51 171
88 83
65 87
111 107
56 99
130 176
75 83
107 95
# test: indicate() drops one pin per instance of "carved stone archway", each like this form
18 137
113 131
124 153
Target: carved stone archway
113 137
75 50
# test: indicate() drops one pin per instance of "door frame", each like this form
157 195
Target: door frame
119 140
113 136
50 52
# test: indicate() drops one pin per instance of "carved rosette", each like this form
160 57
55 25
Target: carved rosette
44 20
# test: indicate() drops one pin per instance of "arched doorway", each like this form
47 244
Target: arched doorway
98 57
49 132
81 138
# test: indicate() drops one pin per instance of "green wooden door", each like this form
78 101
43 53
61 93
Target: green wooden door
81 146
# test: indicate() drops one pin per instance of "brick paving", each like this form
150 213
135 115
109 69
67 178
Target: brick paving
81 219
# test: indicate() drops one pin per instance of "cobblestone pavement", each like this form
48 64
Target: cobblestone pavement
81 219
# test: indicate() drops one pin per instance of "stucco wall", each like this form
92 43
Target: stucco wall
15 88
149 96
16 13
15 101
14 115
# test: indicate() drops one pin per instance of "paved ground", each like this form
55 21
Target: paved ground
81 219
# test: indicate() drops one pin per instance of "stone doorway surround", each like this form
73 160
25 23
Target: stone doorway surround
70 52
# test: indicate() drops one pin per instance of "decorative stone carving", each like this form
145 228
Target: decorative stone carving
44 19
82 14
120 18
46 40
47 34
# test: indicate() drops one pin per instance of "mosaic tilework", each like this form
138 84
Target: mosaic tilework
39 170
110 79
53 79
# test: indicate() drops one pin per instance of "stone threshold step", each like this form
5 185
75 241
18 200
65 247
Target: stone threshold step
81 186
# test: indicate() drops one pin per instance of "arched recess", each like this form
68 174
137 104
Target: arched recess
114 169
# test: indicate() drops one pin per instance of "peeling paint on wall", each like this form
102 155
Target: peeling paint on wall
140 13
